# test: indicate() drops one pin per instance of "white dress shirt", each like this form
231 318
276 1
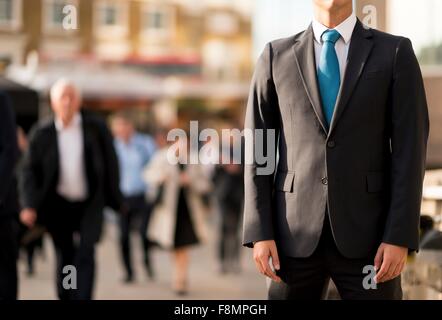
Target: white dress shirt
345 29
72 183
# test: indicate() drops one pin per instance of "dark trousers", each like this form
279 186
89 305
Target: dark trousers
308 278
71 250
138 210
8 259
29 246
30 251
229 243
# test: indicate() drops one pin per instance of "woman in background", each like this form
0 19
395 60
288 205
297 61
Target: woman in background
178 219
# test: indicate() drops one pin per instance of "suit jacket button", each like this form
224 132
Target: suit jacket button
331 144
324 181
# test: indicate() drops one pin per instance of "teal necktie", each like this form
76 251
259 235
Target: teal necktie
329 77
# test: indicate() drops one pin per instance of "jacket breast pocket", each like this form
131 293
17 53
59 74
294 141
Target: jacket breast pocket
374 74
284 181
375 182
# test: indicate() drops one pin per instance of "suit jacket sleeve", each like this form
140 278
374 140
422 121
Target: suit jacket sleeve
262 114
8 146
114 198
409 135
30 175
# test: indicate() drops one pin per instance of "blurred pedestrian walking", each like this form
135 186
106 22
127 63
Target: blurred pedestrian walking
178 219
134 151
70 173
229 191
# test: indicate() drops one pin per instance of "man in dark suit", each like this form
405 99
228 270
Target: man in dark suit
8 205
348 106
70 173
229 191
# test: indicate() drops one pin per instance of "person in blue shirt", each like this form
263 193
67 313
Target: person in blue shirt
134 151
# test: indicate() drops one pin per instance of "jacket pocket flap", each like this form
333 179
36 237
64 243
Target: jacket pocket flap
375 182
284 181
374 74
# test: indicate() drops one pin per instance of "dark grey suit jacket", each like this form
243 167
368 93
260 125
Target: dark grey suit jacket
367 168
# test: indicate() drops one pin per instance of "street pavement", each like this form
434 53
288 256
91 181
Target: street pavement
205 280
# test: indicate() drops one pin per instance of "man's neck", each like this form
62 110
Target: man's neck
127 140
331 19
65 123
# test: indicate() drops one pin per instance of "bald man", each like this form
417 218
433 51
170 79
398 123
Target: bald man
70 174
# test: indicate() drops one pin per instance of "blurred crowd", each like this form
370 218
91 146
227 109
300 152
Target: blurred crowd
57 181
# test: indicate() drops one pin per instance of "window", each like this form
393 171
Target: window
5 10
108 16
57 13
158 21
53 14
111 18
10 14
5 61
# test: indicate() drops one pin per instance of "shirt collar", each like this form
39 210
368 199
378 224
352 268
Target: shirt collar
76 122
345 28
132 140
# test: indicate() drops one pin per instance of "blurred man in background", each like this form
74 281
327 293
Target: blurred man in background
229 191
70 173
8 206
134 151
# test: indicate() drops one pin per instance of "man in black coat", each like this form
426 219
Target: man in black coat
8 205
70 173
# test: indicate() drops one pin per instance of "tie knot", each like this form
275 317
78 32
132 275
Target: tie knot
330 36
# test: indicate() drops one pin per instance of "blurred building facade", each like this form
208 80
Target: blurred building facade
142 52
126 53
214 37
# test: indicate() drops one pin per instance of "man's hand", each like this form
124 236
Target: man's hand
389 262
262 251
28 216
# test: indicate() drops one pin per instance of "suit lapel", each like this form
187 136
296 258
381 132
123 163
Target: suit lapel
359 51
88 150
306 62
